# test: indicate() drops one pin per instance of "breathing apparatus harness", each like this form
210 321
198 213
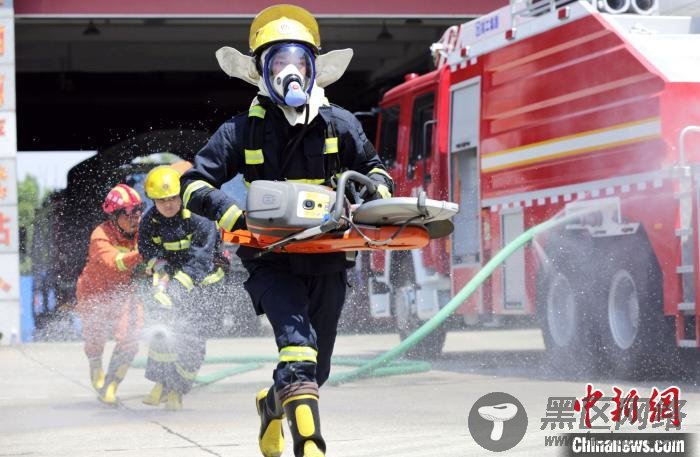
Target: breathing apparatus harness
254 157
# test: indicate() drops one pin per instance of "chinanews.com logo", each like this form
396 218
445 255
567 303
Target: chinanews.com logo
593 425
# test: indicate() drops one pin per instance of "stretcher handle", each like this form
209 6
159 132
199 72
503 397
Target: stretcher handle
335 217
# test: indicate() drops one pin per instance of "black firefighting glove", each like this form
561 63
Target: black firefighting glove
240 223
382 188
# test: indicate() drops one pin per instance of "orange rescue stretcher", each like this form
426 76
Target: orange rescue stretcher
292 217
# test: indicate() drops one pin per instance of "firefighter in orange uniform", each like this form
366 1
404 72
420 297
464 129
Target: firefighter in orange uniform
106 300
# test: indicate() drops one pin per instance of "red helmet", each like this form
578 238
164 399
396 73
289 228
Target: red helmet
122 198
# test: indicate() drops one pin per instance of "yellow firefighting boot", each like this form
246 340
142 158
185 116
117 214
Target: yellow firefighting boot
305 425
174 401
156 396
97 375
271 437
108 394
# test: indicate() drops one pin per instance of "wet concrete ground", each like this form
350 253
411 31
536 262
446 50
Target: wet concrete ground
47 407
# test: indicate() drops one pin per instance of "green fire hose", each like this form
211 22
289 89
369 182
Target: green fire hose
451 306
385 364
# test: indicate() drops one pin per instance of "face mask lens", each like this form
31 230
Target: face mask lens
281 60
285 64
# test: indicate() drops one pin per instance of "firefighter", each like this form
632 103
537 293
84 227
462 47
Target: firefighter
180 248
290 132
106 299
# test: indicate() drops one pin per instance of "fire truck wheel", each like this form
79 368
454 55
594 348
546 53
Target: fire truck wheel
638 340
407 323
567 328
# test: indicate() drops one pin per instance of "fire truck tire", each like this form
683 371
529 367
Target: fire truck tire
637 339
564 305
407 322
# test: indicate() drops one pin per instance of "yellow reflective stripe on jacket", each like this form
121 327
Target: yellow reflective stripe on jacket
186 214
185 280
380 171
164 357
319 181
213 278
151 263
156 239
254 156
298 354
189 375
256 111
163 299
229 218
119 260
178 245
308 181
331 145
192 188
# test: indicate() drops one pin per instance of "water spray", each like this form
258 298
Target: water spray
386 364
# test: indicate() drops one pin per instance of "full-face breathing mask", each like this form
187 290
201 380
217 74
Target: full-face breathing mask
289 72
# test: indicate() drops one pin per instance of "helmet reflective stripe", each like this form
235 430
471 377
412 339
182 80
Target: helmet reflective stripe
121 197
122 192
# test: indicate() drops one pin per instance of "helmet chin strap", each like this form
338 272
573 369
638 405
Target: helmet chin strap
113 219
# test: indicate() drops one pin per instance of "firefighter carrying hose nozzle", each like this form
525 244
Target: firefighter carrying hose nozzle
180 249
290 132
106 297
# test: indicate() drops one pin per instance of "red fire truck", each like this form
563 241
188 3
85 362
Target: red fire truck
547 107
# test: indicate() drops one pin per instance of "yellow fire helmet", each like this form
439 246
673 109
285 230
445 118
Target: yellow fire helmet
162 182
283 23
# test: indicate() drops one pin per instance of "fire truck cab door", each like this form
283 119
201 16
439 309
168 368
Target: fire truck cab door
421 141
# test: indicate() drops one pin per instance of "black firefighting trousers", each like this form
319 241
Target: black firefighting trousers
304 311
